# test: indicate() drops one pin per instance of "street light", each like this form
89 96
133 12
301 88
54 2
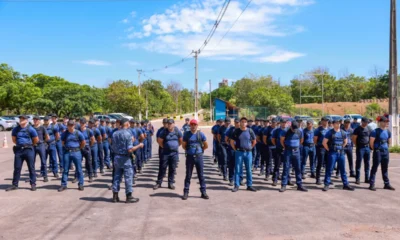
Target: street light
317 96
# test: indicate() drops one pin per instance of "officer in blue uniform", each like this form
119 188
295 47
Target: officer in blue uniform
117 126
243 140
40 148
308 149
355 124
57 134
106 146
269 147
94 148
136 165
73 141
100 147
334 142
86 150
144 141
348 150
186 126
24 137
194 143
231 154
363 152
170 139
53 131
224 148
380 139
150 129
322 154
149 135
123 149
214 131
158 134
278 156
257 151
291 143
254 150
141 136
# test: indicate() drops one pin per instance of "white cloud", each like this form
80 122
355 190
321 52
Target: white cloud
281 56
130 29
125 21
184 26
133 14
95 62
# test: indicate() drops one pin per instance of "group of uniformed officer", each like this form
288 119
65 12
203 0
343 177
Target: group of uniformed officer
266 144
324 147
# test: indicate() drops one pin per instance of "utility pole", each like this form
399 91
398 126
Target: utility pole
393 84
211 110
196 93
140 112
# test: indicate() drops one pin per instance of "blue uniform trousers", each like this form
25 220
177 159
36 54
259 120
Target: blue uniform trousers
168 160
76 158
106 151
333 157
87 154
380 156
24 154
94 152
308 153
223 159
291 157
214 148
231 164
40 150
52 153
139 158
60 153
322 159
278 156
122 166
101 155
149 147
246 158
195 161
144 151
363 153
268 156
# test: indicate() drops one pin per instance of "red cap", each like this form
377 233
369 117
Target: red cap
193 121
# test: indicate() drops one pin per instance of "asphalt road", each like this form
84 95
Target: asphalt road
161 214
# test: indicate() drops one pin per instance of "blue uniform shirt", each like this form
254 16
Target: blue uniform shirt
292 139
77 126
135 135
260 134
87 134
223 130
122 141
41 132
337 144
268 132
193 146
51 131
159 131
243 139
62 128
383 139
349 133
96 133
171 140
186 127
22 135
354 125
320 133
72 140
277 134
215 129
308 136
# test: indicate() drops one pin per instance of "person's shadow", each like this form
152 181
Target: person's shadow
166 195
96 199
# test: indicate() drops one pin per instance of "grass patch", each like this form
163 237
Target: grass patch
394 149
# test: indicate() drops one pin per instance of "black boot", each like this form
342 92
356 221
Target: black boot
171 186
131 199
348 187
45 179
204 195
389 187
301 188
185 196
157 186
81 188
115 197
326 188
372 187
33 187
283 188
62 188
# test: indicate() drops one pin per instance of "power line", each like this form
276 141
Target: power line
63 1
206 41
244 9
216 24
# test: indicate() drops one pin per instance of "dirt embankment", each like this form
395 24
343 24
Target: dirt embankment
342 108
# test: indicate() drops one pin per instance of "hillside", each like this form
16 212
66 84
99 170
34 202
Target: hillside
342 108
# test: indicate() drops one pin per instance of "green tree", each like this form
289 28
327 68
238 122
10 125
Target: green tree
275 99
123 96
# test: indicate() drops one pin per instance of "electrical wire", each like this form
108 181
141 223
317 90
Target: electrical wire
244 9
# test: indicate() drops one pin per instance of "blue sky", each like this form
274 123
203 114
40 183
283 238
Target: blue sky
97 42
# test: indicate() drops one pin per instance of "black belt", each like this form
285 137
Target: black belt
292 148
73 149
242 150
24 146
124 155
308 144
362 145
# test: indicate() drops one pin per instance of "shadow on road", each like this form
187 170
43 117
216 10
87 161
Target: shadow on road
144 185
166 195
96 199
